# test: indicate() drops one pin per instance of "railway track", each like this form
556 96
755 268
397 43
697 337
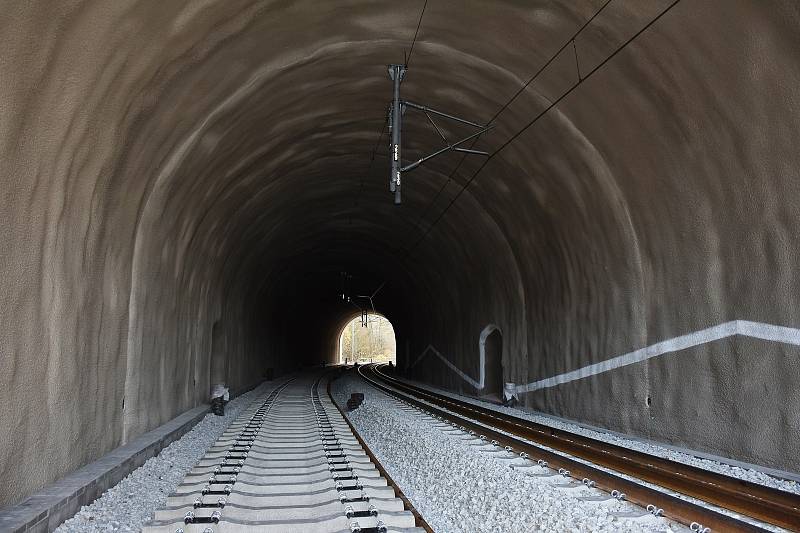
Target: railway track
290 462
542 444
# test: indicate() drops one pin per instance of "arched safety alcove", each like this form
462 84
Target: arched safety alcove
491 359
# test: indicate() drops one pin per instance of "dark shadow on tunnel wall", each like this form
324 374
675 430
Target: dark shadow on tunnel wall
218 372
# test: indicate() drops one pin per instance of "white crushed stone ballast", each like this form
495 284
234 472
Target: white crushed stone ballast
134 500
460 484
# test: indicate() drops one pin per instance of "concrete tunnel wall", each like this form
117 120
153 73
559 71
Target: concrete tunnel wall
169 167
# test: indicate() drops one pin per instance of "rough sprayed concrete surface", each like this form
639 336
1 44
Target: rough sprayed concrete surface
167 166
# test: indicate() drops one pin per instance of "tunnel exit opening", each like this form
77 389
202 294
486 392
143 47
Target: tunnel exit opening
367 339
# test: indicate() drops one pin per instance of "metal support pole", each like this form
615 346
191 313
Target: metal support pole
395 120
396 73
353 340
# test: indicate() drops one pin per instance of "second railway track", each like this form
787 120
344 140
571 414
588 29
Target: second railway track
742 497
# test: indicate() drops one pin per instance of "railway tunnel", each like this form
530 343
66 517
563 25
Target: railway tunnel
186 185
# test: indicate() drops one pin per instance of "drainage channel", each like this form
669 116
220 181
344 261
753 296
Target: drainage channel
289 463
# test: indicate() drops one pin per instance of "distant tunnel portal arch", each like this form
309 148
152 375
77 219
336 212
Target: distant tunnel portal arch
369 340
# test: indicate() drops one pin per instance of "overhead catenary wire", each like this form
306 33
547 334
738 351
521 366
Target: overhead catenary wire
357 199
416 33
513 97
535 120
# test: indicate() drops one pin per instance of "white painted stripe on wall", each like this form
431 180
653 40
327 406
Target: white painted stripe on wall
756 330
768 332
745 328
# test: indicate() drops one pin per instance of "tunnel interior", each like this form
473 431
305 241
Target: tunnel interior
185 182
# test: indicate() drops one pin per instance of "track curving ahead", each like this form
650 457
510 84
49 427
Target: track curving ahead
757 501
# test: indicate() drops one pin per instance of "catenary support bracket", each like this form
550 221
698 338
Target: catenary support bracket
396 111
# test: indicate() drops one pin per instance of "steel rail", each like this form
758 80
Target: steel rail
763 503
420 521
472 418
757 501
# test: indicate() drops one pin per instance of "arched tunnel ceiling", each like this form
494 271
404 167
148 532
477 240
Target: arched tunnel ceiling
186 180
280 161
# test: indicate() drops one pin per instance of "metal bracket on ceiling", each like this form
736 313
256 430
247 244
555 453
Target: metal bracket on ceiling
346 296
396 111
371 296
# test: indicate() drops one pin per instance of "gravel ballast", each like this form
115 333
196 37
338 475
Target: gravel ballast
460 487
134 500
748 474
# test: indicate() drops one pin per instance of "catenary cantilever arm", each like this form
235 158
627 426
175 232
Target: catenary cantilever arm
453 146
397 108
441 114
